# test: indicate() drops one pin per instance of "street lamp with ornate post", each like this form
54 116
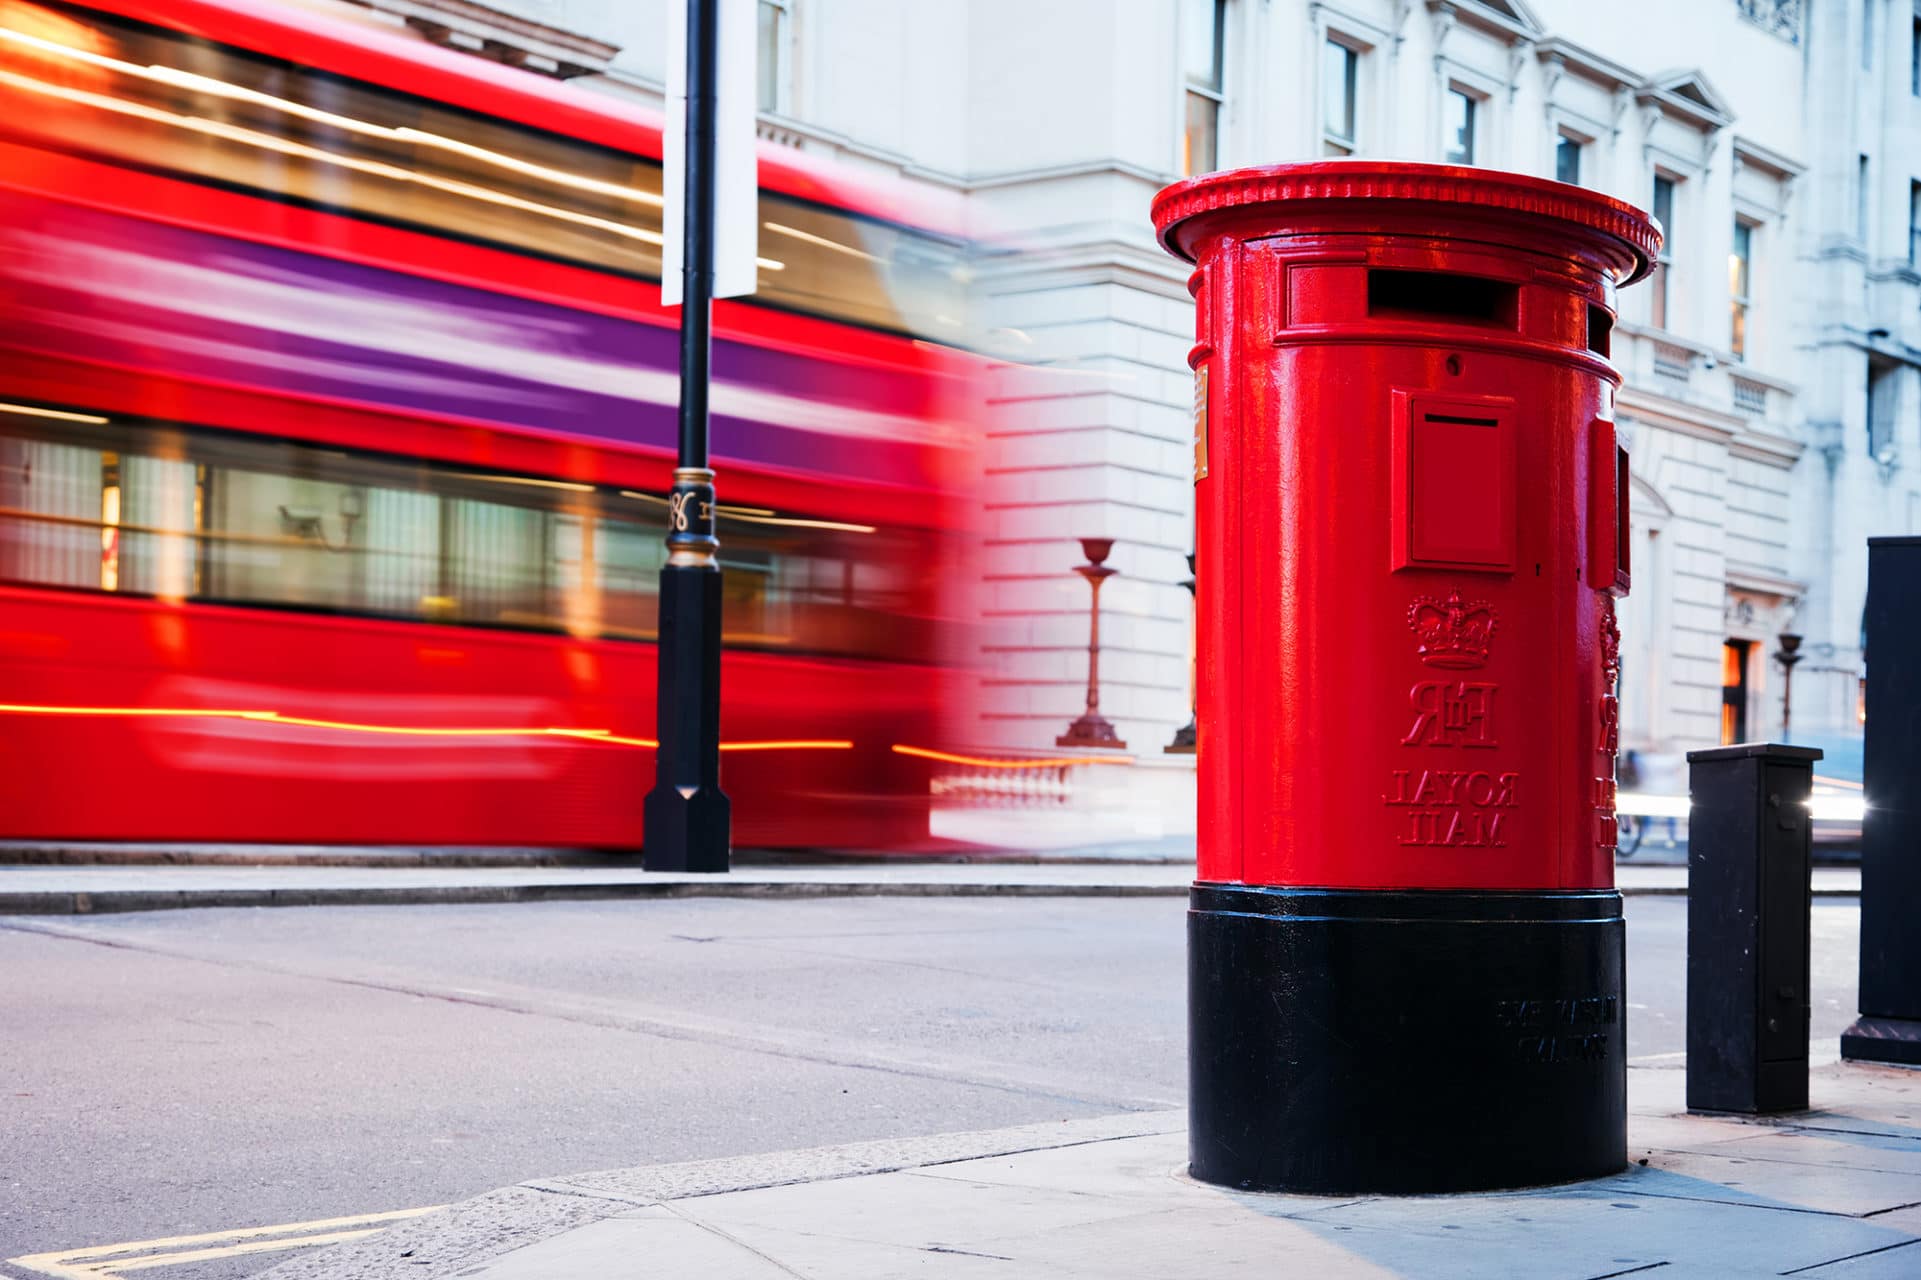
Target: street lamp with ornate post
1787 655
1093 729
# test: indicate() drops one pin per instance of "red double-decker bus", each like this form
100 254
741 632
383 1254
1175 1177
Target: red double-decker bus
336 423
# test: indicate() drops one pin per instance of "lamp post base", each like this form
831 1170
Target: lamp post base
1091 730
1184 743
687 832
686 818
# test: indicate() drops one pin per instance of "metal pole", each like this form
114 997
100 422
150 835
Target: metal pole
688 820
1788 655
1094 652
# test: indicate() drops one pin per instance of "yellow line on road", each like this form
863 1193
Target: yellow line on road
105 1261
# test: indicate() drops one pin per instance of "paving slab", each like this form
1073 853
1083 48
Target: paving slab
654 1241
1109 1197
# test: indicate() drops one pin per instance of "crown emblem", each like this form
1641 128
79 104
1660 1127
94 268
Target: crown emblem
1610 644
1452 632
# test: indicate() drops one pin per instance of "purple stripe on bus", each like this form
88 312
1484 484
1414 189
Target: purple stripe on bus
103 287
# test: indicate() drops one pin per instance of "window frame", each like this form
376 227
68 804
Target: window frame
1213 94
1475 101
1333 144
1914 223
1741 288
1863 197
1563 139
783 11
1881 407
1661 274
1914 55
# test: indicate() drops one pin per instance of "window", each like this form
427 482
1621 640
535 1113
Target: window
1340 77
1567 160
1664 263
769 68
1202 31
1914 58
156 509
1880 410
1914 224
1734 691
201 112
1739 262
1861 200
1459 113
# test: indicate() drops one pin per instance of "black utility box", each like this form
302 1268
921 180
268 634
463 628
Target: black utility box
1749 864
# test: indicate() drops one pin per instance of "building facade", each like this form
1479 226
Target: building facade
1772 364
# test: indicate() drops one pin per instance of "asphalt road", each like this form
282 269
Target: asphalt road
188 1072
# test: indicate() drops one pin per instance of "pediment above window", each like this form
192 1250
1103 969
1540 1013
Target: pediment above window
1687 96
1509 20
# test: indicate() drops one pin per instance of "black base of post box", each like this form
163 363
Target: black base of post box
1405 1042
1891 1040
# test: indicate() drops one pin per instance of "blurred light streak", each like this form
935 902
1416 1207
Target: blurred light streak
1636 804
268 142
796 744
60 414
822 241
983 762
805 524
350 726
24 709
569 485
221 88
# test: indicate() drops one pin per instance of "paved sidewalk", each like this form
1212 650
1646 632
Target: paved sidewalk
1830 1193
84 890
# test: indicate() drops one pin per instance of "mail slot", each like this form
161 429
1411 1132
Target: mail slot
1406 950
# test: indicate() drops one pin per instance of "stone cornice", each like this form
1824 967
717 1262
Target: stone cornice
1748 577
1587 65
1766 448
1678 415
1755 156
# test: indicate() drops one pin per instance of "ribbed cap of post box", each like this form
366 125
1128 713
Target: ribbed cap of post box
1303 193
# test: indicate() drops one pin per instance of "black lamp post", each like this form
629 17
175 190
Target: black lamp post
1787 655
687 822
1185 737
1093 729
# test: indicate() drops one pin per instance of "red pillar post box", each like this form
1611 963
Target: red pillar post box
1405 946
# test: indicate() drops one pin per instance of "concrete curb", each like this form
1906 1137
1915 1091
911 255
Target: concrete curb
27 853
110 901
59 902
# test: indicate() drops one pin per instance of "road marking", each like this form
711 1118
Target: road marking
107 1261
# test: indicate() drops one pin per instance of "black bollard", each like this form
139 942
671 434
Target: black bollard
1889 1028
1749 863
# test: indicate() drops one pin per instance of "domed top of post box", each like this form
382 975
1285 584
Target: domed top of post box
1366 196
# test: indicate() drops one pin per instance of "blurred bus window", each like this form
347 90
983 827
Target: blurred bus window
125 94
156 510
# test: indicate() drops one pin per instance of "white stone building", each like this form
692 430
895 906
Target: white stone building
1773 365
